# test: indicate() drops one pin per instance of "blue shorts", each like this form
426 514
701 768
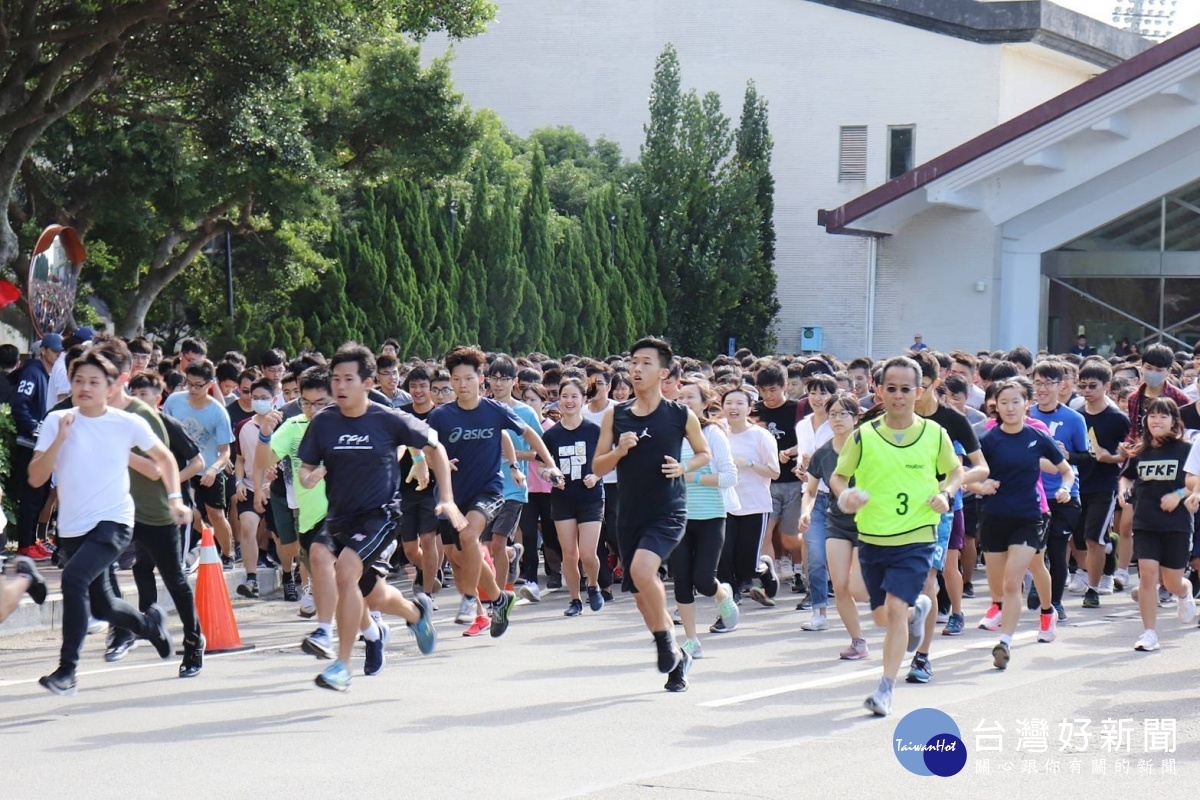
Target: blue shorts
899 570
943 540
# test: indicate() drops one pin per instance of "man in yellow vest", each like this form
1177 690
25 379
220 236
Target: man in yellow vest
905 473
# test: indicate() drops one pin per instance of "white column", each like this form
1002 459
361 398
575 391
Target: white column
1020 299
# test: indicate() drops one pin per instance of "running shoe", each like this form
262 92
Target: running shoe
1186 607
35 552
991 620
289 592
95 625
805 604
336 676
514 563
248 589
61 681
969 590
1032 601
466 611
1147 642
879 703
784 568
668 654
423 630
718 627
319 644
595 599
1047 627
193 658
226 564
607 595
768 576
480 625
920 671
37 584
760 596
160 634
308 606
1106 585
531 592
1091 599
377 650
574 608
916 623
943 617
119 645
1001 654
857 651
1120 579
1079 584
500 611
677 679
955 625
692 648
798 586
727 608
1165 598
817 622
675 618
1062 613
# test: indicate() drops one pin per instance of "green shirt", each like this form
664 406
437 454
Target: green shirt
900 471
150 506
285 443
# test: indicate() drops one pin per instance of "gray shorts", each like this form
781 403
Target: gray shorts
506 521
785 506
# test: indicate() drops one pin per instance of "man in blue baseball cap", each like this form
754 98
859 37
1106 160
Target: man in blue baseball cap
30 403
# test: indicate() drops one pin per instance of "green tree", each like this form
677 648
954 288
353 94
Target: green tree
543 319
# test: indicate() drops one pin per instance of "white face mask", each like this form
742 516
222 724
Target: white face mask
261 406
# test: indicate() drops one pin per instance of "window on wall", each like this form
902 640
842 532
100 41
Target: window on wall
852 153
901 147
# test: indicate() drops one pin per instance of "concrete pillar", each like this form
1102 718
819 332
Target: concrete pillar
1020 300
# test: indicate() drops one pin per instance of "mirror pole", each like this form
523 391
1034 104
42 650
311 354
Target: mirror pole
229 273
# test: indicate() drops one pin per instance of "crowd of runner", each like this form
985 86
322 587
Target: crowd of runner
885 482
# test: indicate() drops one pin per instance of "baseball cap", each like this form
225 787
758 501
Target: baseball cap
85 334
52 341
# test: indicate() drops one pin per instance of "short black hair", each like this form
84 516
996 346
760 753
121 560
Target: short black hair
665 353
92 358
140 346
902 362
265 383
228 371
770 375
502 367
1095 370
470 356
147 379
272 358
202 369
1002 371
194 346
955 384
1020 355
9 356
316 378
1049 369
355 353
386 362
1158 355
417 374
115 350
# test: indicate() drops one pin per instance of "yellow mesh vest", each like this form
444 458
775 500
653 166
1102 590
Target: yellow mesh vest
899 480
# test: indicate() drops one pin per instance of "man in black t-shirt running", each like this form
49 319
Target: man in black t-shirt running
649 432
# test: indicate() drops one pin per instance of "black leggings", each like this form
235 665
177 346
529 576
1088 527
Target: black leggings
536 521
159 546
607 543
694 560
739 558
1057 553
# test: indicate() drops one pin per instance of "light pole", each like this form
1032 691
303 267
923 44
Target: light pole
1150 18
612 244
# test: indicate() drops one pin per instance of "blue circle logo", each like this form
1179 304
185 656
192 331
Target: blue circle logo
927 742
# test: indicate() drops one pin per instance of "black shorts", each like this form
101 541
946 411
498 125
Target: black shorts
660 536
308 538
211 496
418 515
997 534
247 506
1095 517
563 508
505 522
370 535
1169 548
1064 518
486 505
970 512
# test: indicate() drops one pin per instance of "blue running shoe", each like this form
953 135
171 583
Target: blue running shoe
335 677
595 599
377 651
920 671
423 630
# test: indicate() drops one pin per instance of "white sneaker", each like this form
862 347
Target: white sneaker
784 568
96 625
1121 579
1147 642
308 606
817 622
466 611
1079 584
692 648
530 591
1133 594
1106 585
1186 607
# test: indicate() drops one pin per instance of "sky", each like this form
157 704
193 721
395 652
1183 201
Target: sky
1187 12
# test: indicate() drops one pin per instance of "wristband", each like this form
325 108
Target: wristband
175 496
418 458
696 480
264 438
1181 492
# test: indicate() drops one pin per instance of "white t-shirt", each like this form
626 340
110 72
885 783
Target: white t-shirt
598 418
248 442
753 490
59 384
92 469
808 439
1192 465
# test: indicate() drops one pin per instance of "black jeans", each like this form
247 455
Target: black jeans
160 546
694 561
31 498
84 579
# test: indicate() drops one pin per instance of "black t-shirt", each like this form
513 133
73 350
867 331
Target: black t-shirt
574 451
237 416
647 494
781 424
1190 416
957 426
409 491
1105 430
821 466
359 454
1158 472
183 447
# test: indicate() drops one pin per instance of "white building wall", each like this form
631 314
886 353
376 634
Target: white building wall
1030 75
556 62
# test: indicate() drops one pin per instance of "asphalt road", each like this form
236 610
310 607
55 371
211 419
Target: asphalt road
574 707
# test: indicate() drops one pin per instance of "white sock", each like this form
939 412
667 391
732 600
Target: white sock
325 628
377 616
371 632
1005 639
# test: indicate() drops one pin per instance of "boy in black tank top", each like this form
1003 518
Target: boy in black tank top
648 432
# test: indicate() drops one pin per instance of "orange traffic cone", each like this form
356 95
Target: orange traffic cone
212 601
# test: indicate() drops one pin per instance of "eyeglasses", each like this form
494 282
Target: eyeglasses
840 415
197 386
1045 384
315 406
388 373
900 389
1088 387
501 379
444 390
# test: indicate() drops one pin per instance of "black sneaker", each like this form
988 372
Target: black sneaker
160 635
798 586
669 654
607 595
289 592
768 576
805 604
226 564
968 590
60 681
500 613
718 627
37 584
677 679
248 589
574 609
1000 656
1033 603
193 658
1091 599
554 581
119 645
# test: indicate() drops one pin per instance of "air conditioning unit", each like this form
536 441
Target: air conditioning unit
812 338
